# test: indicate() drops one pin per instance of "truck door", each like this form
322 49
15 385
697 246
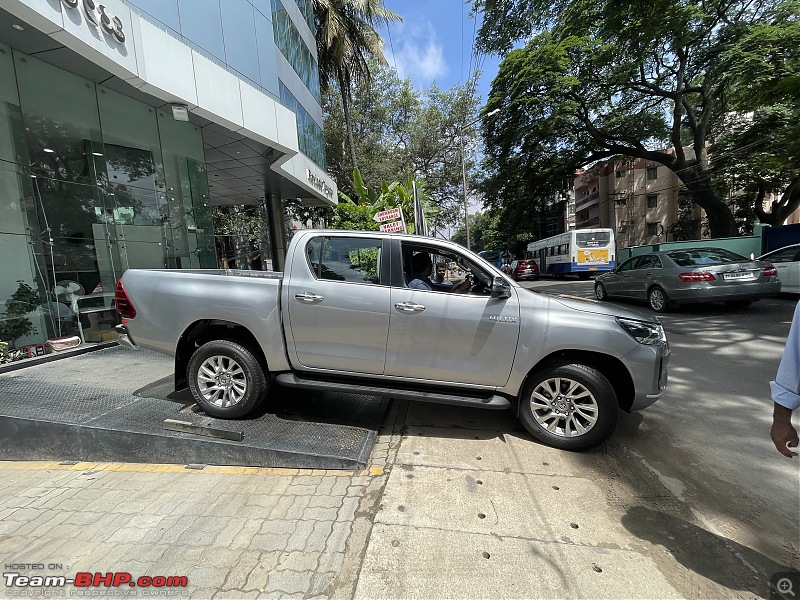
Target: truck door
444 336
338 305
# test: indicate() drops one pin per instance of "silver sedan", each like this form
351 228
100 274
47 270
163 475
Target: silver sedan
690 275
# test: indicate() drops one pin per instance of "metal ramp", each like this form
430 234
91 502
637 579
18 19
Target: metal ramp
116 405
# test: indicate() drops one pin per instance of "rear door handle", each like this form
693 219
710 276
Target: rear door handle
409 307
309 298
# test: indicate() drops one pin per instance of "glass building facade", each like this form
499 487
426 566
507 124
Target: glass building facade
92 183
98 174
241 35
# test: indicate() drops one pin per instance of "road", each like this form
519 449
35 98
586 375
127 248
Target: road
697 472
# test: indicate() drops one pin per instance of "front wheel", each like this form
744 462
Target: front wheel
569 406
226 379
658 299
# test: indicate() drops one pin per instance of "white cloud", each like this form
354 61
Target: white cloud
418 54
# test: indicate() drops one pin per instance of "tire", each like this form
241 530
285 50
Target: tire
592 406
658 299
247 382
600 291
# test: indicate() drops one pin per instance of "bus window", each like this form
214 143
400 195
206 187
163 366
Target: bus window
595 239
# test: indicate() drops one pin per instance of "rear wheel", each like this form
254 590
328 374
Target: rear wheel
226 379
600 291
658 299
568 406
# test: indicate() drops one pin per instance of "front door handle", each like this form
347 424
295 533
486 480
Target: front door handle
409 307
309 298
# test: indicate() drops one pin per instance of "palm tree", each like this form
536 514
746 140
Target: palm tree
346 40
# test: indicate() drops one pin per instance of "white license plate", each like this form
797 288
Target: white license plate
738 276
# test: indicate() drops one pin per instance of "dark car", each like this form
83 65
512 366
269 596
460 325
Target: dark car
690 275
524 268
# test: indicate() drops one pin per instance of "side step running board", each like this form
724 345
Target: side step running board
493 402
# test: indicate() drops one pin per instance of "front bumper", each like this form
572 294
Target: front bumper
648 365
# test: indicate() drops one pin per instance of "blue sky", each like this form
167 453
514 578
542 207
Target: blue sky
434 43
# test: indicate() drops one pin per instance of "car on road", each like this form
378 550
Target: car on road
524 268
688 276
787 261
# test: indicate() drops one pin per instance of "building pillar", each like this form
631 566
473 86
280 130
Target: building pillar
241 243
277 230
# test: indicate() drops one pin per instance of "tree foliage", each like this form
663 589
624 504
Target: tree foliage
347 44
599 79
406 133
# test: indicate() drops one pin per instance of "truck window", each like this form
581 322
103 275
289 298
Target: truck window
356 260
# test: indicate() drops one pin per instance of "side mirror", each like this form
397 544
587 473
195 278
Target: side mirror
500 288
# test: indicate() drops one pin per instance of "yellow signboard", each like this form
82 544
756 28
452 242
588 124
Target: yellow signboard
597 256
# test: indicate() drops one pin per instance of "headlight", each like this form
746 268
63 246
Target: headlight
645 332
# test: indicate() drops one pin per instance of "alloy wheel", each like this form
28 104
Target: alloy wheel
564 407
221 381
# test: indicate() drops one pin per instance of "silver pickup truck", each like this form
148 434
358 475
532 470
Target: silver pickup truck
350 314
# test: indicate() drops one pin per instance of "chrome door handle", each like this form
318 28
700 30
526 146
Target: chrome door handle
409 307
309 298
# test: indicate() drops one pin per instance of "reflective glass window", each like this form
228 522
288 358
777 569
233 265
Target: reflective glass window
268 69
307 10
294 49
165 11
201 24
238 26
310 135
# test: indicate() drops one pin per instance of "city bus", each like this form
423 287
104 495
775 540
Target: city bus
493 257
580 251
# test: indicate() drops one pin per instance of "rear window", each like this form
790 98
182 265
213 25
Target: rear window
527 261
705 256
490 255
601 239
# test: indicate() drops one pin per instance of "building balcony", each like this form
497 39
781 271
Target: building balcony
591 222
587 201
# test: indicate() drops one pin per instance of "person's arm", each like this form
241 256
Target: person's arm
786 391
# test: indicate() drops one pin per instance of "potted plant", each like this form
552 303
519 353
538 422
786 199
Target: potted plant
14 323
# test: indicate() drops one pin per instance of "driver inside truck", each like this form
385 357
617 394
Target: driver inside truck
422 269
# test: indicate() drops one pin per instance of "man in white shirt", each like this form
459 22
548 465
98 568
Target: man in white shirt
786 392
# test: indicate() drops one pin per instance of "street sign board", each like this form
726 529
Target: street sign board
392 227
388 215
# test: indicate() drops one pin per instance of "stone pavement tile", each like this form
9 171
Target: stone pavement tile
301 490
226 536
104 527
266 563
330 562
145 521
320 582
298 507
321 514
196 537
348 509
246 534
317 539
219 556
204 576
145 553
226 505
299 536
281 507
237 575
298 561
288 582
398 564
324 501
337 540
340 486
170 529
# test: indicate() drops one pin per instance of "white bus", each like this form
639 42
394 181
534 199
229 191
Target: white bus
581 251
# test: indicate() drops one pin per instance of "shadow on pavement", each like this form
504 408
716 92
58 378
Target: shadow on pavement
712 556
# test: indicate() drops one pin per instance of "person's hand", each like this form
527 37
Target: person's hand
463 286
783 434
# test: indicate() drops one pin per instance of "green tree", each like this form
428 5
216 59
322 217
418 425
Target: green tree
347 39
406 133
604 79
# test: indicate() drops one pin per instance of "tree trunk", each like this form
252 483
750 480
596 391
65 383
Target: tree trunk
344 89
779 209
720 218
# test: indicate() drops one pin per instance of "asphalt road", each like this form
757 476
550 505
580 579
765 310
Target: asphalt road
697 470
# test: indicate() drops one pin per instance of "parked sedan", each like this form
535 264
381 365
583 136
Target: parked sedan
525 268
787 261
690 275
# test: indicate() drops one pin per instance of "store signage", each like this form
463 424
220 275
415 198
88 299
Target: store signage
388 215
319 183
392 227
97 16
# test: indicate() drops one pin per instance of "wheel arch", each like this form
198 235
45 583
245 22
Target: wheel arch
206 330
611 367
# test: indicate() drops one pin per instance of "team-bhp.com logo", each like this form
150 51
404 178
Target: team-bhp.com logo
94 580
